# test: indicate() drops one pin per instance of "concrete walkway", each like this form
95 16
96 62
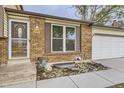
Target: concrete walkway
115 63
99 79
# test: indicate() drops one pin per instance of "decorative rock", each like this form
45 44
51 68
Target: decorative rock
74 69
51 75
48 67
44 74
65 70
49 71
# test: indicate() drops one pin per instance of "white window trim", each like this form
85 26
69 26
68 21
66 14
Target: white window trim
10 39
64 38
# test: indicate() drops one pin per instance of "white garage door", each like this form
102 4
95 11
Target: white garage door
104 46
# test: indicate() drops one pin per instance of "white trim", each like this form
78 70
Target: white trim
28 39
64 37
106 31
63 22
52 38
10 39
108 28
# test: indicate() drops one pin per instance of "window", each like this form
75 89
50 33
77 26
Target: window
63 38
19 32
70 39
19 36
57 38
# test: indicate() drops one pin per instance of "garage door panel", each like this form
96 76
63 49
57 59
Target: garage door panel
107 47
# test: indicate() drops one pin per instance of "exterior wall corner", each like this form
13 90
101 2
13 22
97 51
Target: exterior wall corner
3 51
86 42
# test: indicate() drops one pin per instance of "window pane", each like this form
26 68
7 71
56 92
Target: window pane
70 33
70 45
19 30
57 31
19 48
57 44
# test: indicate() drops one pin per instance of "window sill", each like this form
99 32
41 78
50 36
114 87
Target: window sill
62 53
3 37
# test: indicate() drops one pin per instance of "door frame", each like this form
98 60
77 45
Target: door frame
10 40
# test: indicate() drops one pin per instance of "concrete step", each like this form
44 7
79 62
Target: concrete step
16 73
18 61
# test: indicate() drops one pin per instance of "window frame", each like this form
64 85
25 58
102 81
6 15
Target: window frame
64 38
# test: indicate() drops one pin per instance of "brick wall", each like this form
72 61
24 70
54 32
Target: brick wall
3 50
62 57
86 41
37 38
3 41
37 43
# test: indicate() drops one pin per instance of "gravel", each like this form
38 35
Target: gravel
117 86
77 69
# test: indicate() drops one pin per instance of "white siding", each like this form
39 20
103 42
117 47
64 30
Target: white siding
10 6
5 25
1 21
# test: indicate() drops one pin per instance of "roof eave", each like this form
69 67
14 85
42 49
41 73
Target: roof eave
47 16
110 27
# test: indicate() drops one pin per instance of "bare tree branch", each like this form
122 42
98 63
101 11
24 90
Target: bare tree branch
100 13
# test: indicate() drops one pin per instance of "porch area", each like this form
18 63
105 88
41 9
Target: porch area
17 73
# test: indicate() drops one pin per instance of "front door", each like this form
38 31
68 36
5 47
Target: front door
18 39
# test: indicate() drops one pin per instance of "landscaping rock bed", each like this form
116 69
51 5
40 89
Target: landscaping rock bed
76 69
117 86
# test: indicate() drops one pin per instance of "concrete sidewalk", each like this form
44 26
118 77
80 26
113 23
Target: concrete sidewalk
98 79
114 63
